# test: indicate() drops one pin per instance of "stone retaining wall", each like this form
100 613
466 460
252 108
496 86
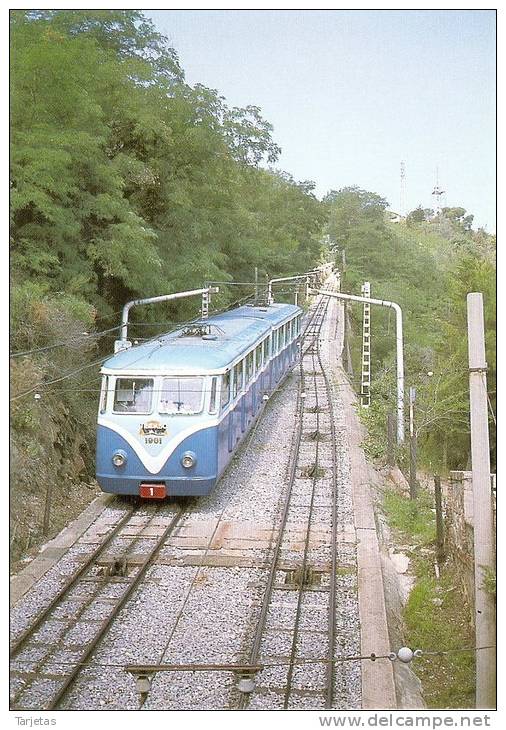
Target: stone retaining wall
459 532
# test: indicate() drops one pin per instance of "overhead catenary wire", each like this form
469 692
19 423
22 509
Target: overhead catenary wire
84 336
392 656
76 371
78 339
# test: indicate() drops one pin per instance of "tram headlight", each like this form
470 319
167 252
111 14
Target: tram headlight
119 458
188 459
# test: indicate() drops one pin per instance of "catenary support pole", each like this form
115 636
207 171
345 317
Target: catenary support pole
270 298
123 343
399 348
365 387
482 503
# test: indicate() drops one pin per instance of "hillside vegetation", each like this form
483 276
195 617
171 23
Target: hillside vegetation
127 182
426 263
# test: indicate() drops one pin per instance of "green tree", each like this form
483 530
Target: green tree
418 215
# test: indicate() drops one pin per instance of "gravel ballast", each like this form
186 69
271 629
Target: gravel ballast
199 602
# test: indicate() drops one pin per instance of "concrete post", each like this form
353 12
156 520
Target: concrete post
482 505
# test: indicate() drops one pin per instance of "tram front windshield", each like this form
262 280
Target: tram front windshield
181 396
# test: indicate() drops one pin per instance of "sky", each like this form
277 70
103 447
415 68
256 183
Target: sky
352 93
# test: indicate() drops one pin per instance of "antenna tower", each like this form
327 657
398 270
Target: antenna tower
438 193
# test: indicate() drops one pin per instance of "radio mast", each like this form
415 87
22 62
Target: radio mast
438 193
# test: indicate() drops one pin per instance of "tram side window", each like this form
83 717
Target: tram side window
234 383
133 395
267 349
212 399
258 357
237 384
225 390
103 394
249 366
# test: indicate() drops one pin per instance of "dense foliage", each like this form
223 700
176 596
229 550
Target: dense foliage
126 181
427 263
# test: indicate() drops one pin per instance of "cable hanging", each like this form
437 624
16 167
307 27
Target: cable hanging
71 373
64 343
404 654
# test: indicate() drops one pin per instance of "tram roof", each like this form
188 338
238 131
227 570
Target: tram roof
236 331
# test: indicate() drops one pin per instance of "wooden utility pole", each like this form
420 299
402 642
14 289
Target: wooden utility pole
482 503
47 507
440 541
412 445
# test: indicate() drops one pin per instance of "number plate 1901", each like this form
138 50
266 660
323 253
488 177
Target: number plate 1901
152 491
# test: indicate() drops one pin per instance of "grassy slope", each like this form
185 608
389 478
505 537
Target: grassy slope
435 616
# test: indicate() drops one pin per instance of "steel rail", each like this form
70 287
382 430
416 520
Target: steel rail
335 501
140 669
260 628
53 701
106 623
293 652
330 669
266 601
20 642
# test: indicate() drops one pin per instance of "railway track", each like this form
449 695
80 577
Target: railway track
313 457
55 669
49 654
